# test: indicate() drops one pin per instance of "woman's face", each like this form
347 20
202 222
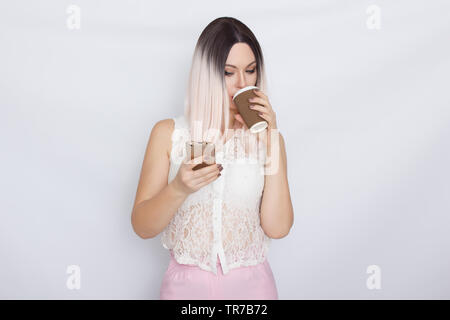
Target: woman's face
240 70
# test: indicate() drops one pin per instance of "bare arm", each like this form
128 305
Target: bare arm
277 214
157 201
151 216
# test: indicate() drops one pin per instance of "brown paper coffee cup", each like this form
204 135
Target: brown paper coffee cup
205 149
254 122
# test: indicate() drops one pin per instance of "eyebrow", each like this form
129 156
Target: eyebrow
230 65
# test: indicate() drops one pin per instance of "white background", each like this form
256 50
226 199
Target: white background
365 114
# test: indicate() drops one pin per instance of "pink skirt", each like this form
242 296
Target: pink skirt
190 282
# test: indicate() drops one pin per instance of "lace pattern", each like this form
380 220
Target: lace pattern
222 218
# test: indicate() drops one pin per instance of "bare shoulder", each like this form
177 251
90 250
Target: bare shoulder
156 163
162 133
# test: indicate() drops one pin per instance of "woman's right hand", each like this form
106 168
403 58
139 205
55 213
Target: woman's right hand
189 181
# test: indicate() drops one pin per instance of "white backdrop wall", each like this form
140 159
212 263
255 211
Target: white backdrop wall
364 112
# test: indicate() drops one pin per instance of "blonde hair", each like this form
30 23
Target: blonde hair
206 105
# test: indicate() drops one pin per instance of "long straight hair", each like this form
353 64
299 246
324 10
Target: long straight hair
206 105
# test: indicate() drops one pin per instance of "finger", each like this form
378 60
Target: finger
193 162
207 180
266 117
206 170
258 108
259 93
258 100
206 176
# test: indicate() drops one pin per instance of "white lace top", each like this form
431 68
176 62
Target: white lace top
222 218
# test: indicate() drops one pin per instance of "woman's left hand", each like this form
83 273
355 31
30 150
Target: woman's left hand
261 104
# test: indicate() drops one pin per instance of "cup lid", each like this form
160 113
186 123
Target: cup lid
244 89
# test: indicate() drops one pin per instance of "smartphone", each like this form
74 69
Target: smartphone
207 150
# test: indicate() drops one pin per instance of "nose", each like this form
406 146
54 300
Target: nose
241 81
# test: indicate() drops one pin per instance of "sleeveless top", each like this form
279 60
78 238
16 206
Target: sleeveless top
222 218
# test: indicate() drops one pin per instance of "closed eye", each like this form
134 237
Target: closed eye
249 71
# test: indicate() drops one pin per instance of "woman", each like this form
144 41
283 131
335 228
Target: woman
217 221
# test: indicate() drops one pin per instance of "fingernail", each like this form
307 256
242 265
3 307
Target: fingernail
219 175
220 169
